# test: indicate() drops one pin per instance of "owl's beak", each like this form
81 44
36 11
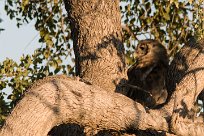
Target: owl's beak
135 55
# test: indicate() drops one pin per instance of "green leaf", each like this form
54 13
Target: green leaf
166 16
24 4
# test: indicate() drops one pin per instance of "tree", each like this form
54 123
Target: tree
100 62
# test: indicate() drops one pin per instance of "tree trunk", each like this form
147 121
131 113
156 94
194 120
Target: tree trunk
97 38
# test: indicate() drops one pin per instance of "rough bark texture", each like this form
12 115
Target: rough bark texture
181 63
184 121
179 69
98 47
56 100
185 82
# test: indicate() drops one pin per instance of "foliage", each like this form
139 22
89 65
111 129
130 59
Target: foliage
50 21
171 22
168 21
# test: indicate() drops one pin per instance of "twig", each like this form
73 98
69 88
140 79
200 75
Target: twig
135 87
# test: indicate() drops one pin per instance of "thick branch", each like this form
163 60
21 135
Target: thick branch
59 99
181 66
176 72
181 63
187 90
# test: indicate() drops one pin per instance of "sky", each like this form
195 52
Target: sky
16 41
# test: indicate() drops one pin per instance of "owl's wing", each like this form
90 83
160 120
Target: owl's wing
135 72
132 71
147 71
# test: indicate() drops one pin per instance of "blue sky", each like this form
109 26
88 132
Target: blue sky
16 41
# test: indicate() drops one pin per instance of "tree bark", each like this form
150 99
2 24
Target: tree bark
58 99
97 38
184 121
185 82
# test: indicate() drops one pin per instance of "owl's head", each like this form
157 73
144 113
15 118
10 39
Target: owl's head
149 46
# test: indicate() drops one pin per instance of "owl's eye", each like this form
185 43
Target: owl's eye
142 47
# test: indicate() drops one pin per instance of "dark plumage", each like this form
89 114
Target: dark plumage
148 73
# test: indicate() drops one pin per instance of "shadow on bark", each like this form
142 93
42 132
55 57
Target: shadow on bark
180 64
67 130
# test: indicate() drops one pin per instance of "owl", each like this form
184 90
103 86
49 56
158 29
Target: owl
146 77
